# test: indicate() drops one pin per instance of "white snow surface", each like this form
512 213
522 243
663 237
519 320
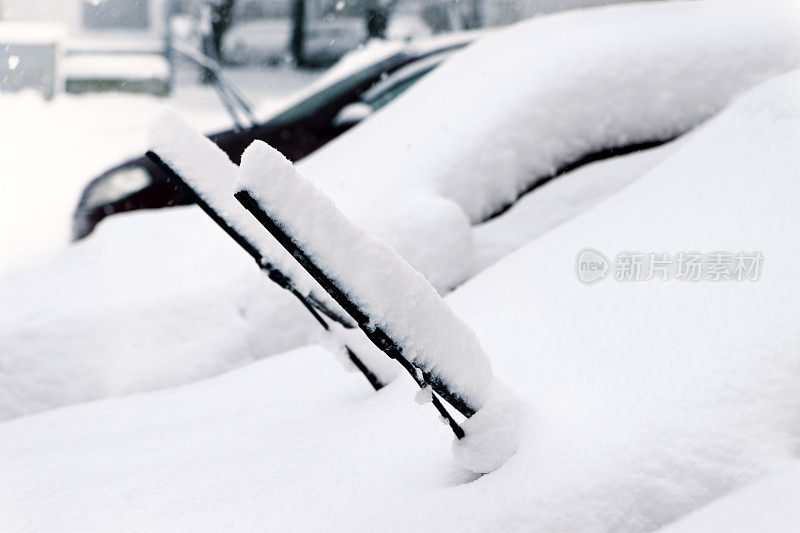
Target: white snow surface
394 297
553 89
642 401
31 32
145 302
770 504
118 66
491 436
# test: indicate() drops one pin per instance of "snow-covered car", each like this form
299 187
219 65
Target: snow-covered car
362 83
638 402
161 298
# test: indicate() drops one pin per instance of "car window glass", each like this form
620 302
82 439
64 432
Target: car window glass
379 100
392 86
317 100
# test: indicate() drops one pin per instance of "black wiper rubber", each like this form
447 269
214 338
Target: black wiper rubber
377 335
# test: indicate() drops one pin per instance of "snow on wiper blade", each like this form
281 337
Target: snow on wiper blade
392 303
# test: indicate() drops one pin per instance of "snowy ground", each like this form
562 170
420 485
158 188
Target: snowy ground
50 150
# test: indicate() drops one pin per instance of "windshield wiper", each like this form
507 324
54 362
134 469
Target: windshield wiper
237 106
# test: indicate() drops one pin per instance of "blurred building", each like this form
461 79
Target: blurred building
102 44
260 30
502 12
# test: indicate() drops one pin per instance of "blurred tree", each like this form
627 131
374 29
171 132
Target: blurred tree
437 17
298 32
220 16
221 19
474 15
377 13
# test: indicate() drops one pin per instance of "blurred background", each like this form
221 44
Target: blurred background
81 79
81 35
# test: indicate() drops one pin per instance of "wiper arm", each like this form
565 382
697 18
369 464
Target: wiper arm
231 97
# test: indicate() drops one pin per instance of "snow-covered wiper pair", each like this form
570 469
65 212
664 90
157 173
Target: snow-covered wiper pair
344 276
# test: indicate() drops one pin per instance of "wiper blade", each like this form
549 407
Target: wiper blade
235 103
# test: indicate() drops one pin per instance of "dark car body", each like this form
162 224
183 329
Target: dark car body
297 131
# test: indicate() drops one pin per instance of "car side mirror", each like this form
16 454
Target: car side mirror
351 114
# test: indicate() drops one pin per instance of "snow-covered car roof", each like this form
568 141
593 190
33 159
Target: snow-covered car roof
519 104
643 400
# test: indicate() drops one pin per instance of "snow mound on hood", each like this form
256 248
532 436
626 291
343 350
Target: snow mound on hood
491 435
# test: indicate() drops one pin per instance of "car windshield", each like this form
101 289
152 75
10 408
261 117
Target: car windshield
357 61
308 105
392 86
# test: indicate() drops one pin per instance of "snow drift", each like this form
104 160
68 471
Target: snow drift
770 504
